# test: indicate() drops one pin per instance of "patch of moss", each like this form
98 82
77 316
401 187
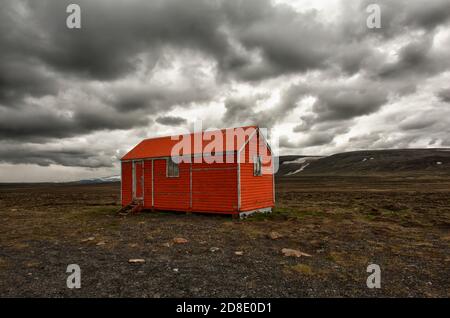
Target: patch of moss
300 268
102 210
345 259
3 263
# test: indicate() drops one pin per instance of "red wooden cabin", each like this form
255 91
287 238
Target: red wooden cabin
223 171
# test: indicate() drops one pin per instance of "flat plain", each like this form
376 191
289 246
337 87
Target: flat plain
344 223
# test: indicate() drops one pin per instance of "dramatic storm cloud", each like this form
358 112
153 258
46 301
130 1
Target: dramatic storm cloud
72 101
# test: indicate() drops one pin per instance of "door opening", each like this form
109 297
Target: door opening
138 180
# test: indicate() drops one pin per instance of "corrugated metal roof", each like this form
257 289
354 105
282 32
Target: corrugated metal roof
163 146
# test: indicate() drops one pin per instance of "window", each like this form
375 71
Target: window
172 168
257 166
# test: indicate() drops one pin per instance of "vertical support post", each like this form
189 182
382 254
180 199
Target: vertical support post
190 186
273 178
238 161
153 184
133 178
143 181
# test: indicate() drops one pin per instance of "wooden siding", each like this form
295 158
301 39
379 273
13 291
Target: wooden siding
214 187
126 185
256 191
148 184
171 193
139 179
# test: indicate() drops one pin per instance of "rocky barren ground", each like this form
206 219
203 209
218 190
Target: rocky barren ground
344 223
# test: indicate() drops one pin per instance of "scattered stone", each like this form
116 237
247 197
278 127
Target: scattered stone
239 253
214 249
175 270
136 261
180 240
13 210
165 244
274 235
293 253
101 243
88 239
133 245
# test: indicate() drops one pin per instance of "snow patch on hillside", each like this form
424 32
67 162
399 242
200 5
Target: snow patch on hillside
301 160
298 170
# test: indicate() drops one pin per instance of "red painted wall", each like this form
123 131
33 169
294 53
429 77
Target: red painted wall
148 184
126 183
214 187
139 171
171 193
256 191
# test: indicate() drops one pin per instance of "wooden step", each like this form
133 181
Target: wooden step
133 208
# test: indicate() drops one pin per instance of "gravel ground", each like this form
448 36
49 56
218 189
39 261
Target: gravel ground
344 223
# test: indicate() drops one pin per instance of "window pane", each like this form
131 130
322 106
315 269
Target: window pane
260 165
257 165
172 168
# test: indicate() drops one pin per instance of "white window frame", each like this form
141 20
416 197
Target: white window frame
170 161
257 161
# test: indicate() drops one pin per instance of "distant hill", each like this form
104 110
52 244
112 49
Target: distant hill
97 180
365 162
401 161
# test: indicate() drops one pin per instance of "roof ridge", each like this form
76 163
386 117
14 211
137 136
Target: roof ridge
161 146
191 133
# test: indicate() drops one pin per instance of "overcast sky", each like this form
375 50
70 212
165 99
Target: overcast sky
73 101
